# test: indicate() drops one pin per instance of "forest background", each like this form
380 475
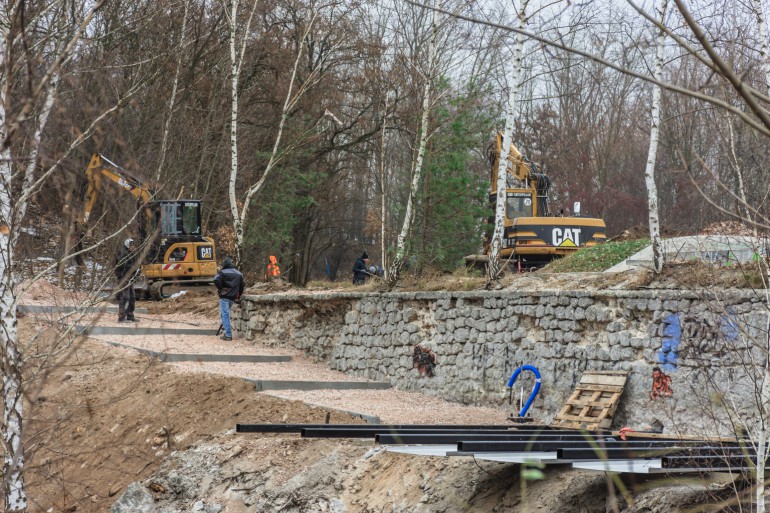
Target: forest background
328 98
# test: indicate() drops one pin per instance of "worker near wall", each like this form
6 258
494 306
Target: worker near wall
126 270
229 283
360 269
273 271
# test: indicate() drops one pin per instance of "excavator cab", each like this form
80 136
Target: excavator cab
179 218
178 252
519 204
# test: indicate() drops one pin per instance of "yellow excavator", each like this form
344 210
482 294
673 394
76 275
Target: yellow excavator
174 249
532 236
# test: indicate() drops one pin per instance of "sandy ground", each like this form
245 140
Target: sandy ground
196 311
101 417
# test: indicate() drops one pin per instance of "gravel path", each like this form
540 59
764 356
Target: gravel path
390 406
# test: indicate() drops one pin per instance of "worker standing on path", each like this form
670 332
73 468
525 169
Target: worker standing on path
126 269
230 284
360 269
273 271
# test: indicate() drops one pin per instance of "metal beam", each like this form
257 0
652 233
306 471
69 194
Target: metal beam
375 431
490 436
577 444
297 428
648 450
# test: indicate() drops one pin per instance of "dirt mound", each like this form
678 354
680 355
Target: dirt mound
728 228
46 293
642 231
193 300
101 418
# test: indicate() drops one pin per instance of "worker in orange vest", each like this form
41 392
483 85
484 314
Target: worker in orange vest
273 271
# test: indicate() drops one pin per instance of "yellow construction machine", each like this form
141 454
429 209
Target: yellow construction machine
170 238
532 236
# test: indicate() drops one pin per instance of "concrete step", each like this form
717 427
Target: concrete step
136 329
263 385
195 357
53 309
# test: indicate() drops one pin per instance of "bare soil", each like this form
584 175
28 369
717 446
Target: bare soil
101 418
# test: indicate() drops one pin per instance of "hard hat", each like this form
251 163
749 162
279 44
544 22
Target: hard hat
128 242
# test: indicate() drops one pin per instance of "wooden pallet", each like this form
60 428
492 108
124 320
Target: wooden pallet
594 401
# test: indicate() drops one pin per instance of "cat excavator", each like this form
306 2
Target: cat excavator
170 238
532 236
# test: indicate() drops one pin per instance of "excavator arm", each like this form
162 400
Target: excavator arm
522 169
97 170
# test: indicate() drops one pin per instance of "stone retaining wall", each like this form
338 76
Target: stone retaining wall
700 340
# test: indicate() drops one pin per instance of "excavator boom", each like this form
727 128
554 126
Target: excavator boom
96 171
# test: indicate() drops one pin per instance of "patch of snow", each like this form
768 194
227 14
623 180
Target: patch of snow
178 294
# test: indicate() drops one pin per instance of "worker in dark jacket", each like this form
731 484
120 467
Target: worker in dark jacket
126 269
359 269
230 284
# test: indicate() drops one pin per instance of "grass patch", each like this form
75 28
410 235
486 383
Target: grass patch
597 258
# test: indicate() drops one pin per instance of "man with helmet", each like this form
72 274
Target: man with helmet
126 269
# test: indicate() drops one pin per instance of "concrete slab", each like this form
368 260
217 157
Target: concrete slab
192 357
623 466
53 309
423 450
318 385
519 457
716 249
134 329
652 466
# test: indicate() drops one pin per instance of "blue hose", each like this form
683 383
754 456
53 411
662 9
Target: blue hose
534 390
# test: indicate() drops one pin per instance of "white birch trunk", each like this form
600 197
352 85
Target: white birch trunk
172 100
239 220
764 52
14 494
394 270
234 74
495 266
759 492
383 252
762 449
13 489
649 172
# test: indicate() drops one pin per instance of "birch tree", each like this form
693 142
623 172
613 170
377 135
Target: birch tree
397 262
172 99
495 265
239 207
17 183
649 172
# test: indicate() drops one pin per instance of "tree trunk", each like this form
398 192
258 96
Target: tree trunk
13 490
495 266
394 271
649 172
172 100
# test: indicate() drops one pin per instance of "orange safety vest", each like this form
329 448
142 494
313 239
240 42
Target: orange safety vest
272 268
